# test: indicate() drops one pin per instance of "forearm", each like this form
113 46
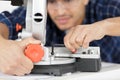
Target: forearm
4 32
112 26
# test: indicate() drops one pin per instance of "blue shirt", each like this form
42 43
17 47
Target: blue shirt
96 10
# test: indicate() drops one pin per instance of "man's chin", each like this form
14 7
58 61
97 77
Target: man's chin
63 28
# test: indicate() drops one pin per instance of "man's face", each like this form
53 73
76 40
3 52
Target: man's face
67 13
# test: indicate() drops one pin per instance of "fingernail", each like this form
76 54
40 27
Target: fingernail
74 51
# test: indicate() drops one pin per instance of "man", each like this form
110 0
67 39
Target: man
75 23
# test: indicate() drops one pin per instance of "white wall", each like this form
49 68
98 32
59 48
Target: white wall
6 5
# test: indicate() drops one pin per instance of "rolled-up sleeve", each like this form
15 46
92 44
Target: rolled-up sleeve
11 19
5 20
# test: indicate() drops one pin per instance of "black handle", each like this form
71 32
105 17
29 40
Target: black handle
17 2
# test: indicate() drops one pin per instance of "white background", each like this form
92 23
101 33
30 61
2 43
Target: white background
110 72
6 6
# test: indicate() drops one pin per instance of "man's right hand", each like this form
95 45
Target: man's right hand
12 58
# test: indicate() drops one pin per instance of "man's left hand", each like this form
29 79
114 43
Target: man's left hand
82 35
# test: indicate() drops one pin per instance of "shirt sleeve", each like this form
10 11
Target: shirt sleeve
112 8
12 19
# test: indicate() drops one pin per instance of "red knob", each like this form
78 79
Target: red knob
34 52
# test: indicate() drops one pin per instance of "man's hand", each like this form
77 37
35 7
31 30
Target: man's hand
82 35
12 58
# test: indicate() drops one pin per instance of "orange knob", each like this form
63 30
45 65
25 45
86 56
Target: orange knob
34 52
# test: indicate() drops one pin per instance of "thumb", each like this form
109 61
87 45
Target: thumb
29 40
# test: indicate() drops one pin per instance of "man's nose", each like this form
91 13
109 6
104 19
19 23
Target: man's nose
60 8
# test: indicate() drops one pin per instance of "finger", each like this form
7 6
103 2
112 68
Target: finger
67 42
73 37
73 43
69 46
12 69
7 68
33 40
20 71
87 41
27 64
80 38
30 40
